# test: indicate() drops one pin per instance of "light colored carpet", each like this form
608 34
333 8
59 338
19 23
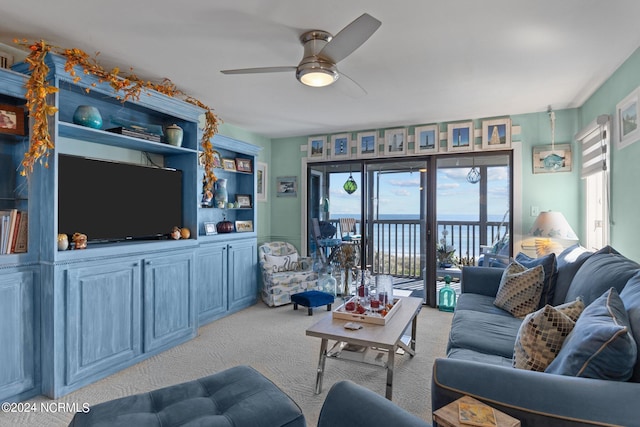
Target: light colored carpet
273 341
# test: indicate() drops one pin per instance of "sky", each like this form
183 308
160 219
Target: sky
400 193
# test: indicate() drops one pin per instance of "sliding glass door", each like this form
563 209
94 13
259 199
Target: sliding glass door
417 219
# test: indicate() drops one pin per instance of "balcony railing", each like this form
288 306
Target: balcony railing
394 246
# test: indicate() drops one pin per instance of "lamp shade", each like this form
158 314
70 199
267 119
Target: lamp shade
552 232
553 225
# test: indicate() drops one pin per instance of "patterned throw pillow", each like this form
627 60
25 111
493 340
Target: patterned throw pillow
572 309
520 289
281 263
542 334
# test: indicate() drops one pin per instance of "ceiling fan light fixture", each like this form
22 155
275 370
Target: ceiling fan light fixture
317 74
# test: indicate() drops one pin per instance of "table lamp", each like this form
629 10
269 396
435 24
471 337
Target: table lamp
552 233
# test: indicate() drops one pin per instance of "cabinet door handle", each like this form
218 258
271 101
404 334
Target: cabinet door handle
135 264
148 263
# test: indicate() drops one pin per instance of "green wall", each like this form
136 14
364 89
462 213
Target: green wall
625 167
280 218
548 191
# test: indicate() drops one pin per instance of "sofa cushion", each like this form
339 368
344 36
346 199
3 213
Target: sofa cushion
569 262
600 345
480 303
602 270
542 334
630 296
476 356
549 264
484 332
520 289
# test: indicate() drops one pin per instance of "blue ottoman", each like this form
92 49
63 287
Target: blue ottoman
312 299
239 396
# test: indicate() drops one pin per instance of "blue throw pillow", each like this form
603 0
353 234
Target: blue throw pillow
600 345
569 262
549 265
602 270
630 296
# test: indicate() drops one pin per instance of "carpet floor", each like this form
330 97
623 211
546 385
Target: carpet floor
273 341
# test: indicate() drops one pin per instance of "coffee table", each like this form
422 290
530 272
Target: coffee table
383 337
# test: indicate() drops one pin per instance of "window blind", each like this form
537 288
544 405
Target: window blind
594 139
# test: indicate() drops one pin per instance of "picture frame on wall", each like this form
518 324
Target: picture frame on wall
426 139
12 120
460 136
340 146
317 148
540 152
261 182
627 120
367 144
395 142
287 186
496 134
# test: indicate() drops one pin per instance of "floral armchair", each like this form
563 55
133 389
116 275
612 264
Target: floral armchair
284 273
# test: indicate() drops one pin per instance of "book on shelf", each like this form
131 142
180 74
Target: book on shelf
22 234
13 230
476 414
135 133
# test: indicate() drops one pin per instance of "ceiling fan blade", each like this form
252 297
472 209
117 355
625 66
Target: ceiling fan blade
350 87
259 70
350 38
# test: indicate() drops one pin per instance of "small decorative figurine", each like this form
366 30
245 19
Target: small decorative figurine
175 233
79 240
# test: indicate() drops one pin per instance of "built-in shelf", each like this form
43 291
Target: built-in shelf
71 130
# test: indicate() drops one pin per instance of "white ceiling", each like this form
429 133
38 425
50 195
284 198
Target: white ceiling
430 61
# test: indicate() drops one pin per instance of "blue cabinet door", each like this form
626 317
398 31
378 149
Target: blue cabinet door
169 300
103 319
243 283
19 335
211 282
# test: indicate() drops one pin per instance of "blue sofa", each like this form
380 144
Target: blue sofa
480 351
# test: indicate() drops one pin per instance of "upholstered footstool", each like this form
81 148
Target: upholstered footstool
239 396
311 299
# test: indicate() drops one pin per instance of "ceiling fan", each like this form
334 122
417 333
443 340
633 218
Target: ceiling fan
322 52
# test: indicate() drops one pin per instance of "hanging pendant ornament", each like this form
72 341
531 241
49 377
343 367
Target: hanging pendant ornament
553 161
350 186
473 176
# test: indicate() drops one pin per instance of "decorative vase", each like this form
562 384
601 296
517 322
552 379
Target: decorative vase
326 282
447 296
224 226
174 135
87 115
63 242
221 196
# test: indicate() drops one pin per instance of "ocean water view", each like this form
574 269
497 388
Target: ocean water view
399 234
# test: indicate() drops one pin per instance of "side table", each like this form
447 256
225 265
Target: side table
447 416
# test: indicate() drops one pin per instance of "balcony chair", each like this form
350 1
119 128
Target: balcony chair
348 229
284 272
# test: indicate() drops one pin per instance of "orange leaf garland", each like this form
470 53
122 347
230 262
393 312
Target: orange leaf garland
127 87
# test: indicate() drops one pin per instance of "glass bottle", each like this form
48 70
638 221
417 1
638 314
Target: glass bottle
447 296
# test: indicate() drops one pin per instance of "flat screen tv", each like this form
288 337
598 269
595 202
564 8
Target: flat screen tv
111 201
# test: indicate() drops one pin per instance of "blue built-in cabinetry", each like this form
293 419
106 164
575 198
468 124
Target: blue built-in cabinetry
71 317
